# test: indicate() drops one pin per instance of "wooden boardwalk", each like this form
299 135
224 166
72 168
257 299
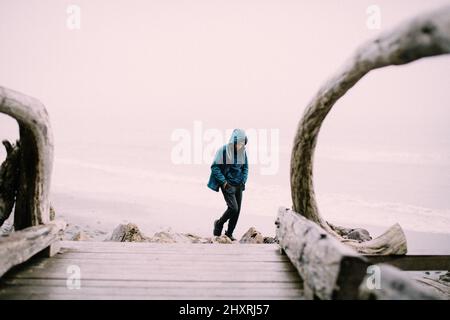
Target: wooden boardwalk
112 270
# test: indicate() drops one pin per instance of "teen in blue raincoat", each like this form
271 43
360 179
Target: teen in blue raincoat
229 172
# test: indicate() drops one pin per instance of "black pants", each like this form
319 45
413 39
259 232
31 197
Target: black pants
233 198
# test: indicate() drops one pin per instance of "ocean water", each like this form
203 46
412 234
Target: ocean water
353 187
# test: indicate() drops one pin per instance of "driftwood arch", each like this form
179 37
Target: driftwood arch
425 36
25 178
32 205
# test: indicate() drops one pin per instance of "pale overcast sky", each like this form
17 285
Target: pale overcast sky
139 69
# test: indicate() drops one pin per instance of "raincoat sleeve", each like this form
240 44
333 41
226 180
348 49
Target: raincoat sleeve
216 167
245 170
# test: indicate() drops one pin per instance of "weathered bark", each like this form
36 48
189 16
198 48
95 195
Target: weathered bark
36 160
329 269
9 180
422 37
21 245
413 262
442 288
389 283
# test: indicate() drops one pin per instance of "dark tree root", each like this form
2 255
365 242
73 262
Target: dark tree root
9 179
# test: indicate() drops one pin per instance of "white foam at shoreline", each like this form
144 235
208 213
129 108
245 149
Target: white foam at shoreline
138 186
352 210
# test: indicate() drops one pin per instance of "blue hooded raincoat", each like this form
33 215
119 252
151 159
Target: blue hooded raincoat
229 164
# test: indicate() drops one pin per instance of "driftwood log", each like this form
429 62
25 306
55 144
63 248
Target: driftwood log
425 36
329 269
36 157
21 245
395 285
9 180
439 287
415 262
332 270
35 232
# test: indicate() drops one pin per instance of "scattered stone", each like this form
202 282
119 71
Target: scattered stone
445 277
359 234
197 239
222 239
162 237
127 233
131 233
168 237
271 240
252 236
80 236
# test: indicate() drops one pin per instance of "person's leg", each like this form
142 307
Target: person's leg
235 215
232 209
239 198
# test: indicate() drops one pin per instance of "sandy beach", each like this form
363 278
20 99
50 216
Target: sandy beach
95 190
97 219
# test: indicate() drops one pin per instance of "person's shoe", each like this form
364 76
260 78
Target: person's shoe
230 236
217 229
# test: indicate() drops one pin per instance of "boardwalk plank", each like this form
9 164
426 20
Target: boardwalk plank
50 296
159 292
157 271
171 257
146 284
156 266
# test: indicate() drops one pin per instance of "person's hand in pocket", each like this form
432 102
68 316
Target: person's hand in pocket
229 188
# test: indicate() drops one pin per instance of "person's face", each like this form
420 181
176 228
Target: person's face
239 145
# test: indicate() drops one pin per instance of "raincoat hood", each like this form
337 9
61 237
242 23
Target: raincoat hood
230 165
237 136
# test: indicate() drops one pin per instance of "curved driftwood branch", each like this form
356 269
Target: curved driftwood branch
424 36
36 161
